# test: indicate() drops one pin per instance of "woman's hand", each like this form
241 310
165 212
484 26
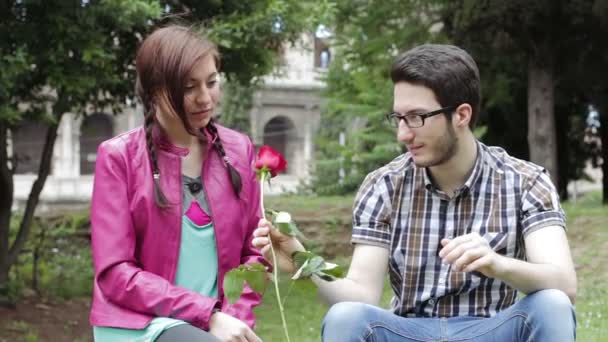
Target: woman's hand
284 245
229 329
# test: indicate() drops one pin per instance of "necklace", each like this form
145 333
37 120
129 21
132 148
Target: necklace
194 187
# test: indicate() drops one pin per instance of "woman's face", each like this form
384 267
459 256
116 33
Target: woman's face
202 92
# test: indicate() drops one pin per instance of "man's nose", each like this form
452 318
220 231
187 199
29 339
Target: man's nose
404 133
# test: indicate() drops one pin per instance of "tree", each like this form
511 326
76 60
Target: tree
237 99
368 35
588 75
547 35
61 56
66 56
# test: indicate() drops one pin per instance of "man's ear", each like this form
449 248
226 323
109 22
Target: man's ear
462 115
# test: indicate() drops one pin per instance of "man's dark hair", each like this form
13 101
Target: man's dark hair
449 71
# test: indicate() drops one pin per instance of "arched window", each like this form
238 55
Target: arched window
95 129
28 140
322 51
279 134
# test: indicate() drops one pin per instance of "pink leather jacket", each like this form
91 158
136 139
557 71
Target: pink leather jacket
136 244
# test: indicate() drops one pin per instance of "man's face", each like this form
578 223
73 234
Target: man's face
435 142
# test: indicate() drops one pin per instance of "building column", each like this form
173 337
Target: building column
307 149
65 159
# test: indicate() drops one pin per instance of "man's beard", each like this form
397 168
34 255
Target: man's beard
444 150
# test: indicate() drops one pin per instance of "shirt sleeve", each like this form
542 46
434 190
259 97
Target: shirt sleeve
372 211
540 205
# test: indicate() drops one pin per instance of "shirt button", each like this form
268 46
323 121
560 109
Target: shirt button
442 280
432 301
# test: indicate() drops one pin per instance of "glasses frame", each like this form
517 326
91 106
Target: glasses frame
390 116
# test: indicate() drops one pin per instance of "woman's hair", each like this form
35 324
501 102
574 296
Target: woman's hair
163 64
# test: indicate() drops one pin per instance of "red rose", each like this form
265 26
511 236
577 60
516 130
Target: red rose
271 160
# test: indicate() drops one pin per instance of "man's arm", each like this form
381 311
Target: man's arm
364 281
548 266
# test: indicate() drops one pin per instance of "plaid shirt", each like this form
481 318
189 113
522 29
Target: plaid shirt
504 199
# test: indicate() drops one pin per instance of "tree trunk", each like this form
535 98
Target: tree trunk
604 141
563 151
32 201
6 202
34 196
541 119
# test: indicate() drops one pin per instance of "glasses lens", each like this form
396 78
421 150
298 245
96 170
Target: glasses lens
395 121
414 121
392 120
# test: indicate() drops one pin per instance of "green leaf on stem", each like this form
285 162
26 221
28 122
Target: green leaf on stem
234 280
256 277
233 284
283 222
311 264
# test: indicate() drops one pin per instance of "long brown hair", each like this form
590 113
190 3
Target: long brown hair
163 63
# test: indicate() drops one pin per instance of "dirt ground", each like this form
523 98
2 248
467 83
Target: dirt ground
40 319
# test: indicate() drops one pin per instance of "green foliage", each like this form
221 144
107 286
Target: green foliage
69 52
368 35
56 261
237 99
310 264
251 33
503 37
252 274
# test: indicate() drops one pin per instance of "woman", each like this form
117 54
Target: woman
174 206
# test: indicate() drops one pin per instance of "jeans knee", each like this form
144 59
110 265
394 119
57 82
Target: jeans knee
344 318
550 300
551 316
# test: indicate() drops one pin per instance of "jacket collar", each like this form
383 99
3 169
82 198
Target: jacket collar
162 141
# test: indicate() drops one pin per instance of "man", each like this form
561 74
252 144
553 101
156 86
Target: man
460 227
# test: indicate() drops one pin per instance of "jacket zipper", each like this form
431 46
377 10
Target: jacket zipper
215 232
180 218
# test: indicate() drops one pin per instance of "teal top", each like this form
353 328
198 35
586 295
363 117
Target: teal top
197 270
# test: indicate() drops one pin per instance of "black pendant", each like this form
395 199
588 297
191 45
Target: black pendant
195 187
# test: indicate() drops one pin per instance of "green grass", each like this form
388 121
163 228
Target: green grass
588 236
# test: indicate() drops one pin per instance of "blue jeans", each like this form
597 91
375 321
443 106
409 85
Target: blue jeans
546 315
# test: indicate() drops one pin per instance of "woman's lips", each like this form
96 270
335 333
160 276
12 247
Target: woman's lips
202 112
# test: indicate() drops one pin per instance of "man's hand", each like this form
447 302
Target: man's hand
470 252
229 329
284 245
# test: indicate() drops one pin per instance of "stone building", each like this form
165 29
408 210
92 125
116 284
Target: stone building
285 114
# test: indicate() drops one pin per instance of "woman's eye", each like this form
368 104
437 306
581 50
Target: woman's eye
211 83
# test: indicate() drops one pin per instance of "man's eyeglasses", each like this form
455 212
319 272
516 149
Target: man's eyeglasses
415 120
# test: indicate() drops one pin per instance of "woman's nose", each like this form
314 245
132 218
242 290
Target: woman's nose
203 96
